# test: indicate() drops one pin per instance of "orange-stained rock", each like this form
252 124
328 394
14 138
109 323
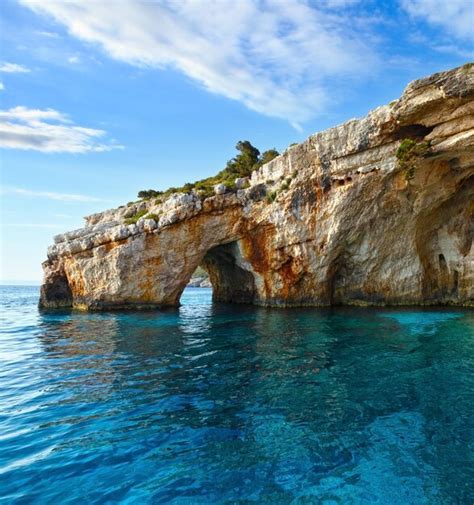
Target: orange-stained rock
350 224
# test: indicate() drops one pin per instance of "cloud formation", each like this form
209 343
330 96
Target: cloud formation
277 58
50 195
13 68
48 131
454 16
50 35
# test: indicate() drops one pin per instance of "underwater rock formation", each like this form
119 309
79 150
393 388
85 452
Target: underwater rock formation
377 210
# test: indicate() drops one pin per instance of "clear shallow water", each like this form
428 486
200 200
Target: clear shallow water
232 404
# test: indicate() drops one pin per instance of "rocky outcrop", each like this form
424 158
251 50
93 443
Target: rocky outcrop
199 282
375 211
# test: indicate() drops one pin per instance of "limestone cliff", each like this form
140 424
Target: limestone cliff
375 211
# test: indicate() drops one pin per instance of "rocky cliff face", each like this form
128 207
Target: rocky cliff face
374 211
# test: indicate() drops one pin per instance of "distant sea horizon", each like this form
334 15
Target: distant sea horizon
20 283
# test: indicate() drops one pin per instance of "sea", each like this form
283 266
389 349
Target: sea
234 404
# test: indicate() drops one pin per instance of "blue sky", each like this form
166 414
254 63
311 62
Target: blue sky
100 99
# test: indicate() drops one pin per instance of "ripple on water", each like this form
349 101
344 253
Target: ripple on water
214 404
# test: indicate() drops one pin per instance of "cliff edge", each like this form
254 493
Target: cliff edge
377 210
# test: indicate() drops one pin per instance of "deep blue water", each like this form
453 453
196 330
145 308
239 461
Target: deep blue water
214 404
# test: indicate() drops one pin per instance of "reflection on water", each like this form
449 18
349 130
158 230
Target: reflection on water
214 404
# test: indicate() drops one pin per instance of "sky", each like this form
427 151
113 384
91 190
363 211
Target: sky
100 99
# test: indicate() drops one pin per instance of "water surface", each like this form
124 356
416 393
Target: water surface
214 404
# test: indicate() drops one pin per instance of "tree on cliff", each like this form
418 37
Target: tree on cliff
268 156
149 193
248 160
242 165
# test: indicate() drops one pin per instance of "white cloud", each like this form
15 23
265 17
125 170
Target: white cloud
453 49
336 4
455 16
74 60
48 131
50 195
13 68
50 35
2 86
281 59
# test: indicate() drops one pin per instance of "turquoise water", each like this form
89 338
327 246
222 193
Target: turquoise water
217 404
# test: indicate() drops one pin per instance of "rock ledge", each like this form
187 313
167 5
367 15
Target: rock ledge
337 219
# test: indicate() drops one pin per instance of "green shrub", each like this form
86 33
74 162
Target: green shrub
205 188
156 217
248 159
148 193
188 187
200 272
407 154
271 197
206 193
406 146
284 186
133 219
230 184
266 157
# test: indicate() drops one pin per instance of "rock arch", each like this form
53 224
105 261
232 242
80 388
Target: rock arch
388 233
232 278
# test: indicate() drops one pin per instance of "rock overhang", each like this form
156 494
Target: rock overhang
335 219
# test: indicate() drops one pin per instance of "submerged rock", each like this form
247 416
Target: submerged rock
375 211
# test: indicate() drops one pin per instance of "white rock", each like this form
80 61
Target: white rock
133 229
241 194
119 232
219 189
241 182
149 224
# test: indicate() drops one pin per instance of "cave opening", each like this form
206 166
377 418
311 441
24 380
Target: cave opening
230 276
413 131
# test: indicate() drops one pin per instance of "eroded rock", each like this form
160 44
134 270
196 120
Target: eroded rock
337 219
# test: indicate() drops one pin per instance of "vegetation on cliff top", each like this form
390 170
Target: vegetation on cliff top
133 219
248 159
